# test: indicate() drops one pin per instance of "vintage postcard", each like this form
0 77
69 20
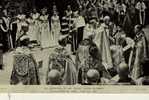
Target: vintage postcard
95 46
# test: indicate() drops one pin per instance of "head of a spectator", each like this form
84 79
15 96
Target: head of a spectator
54 77
123 13
5 12
106 20
55 13
120 29
93 21
123 70
93 77
54 8
80 8
44 11
34 10
69 7
20 11
1 8
65 13
138 28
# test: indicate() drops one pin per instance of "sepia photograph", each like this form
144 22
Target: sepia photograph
74 42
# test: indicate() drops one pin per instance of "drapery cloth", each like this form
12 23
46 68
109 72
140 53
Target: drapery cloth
24 70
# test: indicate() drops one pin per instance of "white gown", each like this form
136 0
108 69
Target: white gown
45 35
55 29
34 27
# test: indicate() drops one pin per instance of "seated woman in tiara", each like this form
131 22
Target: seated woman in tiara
88 58
61 61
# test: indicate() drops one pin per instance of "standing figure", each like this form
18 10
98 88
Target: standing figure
99 8
5 31
129 21
77 26
21 19
13 29
141 7
138 54
23 31
45 35
90 29
65 24
80 24
55 27
102 41
1 45
33 26
121 10
73 32
69 10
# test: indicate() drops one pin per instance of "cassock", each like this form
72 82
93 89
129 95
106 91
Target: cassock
138 55
5 35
